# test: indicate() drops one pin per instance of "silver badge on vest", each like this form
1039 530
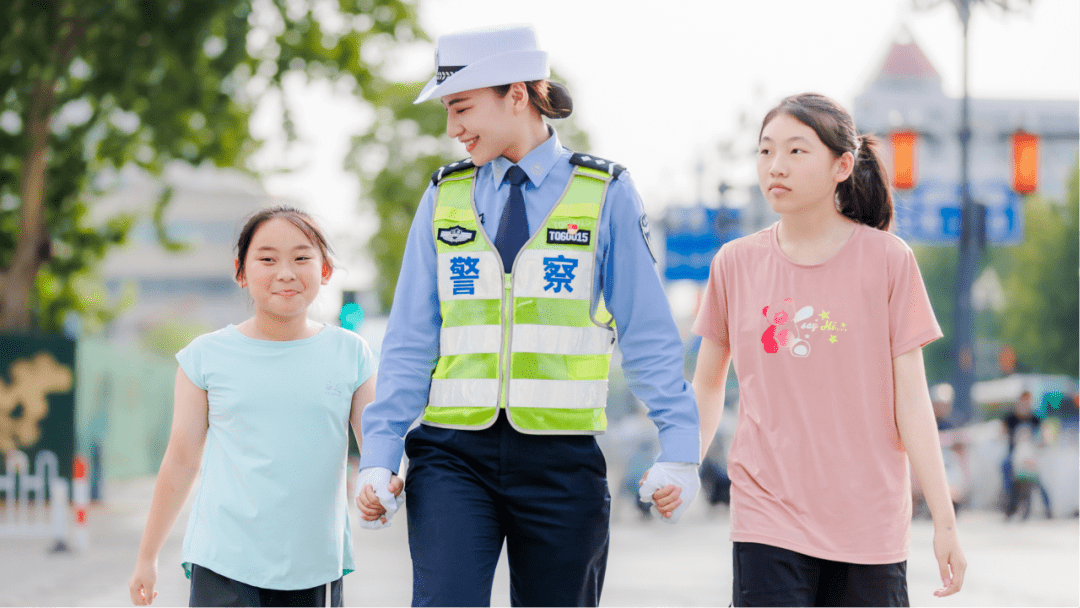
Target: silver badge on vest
456 235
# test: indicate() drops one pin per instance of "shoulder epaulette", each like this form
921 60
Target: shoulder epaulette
453 167
592 162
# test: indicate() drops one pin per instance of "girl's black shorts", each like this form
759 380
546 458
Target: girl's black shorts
770 576
208 588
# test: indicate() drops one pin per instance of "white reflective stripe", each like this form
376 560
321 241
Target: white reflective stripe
476 275
563 280
575 394
559 340
470 339
464 393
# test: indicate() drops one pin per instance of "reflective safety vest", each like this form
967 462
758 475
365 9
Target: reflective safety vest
532 340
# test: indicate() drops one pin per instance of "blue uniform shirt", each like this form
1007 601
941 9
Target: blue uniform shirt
648 339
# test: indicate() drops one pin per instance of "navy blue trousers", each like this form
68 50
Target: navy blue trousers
546 495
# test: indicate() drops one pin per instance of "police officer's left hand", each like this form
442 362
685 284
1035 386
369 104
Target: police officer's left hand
671 487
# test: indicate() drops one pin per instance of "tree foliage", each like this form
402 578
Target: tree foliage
395 159
1040 281
938 268
89 87
1042 315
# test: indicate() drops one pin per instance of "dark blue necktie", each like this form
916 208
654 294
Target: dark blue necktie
514 225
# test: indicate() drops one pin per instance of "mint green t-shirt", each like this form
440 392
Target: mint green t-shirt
271 509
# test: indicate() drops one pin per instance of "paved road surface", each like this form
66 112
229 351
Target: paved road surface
1033 563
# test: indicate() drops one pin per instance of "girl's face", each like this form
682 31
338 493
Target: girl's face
283 269
796 171
484 122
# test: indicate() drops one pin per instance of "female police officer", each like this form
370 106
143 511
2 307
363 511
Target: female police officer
521 266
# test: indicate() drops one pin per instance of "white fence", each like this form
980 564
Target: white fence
26 511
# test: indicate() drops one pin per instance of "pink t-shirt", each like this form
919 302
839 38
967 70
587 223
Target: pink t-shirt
817 465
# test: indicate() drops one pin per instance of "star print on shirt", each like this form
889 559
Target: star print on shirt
824 314
832 339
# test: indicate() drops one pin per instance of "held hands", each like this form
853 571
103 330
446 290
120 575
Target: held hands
950 559
671 487
141 585
377 498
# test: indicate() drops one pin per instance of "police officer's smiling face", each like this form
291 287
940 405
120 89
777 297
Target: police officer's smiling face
484 122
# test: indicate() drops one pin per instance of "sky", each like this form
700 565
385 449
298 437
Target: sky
659 85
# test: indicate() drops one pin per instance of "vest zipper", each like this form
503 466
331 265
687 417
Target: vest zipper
508 324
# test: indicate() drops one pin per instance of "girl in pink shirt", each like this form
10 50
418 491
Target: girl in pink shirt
824 316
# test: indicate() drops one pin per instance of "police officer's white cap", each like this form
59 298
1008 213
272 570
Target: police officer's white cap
485 58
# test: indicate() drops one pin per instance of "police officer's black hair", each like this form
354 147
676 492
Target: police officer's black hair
551 99
290 214
865 195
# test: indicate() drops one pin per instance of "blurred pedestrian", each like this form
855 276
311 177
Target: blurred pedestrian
261 414
1019 470
833 394
522 264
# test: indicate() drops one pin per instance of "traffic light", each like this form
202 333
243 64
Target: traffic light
352 316
1025 157
903 148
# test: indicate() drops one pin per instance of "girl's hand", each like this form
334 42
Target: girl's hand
371 508
141 585
666 498
397 484
671 486
369 505
950 560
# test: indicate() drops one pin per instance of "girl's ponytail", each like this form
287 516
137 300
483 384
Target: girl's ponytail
865 195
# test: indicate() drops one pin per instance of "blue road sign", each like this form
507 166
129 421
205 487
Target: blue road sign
930 213
693 236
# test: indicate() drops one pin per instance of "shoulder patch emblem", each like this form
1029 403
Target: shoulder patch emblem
453 167
600 164
456 235
644 222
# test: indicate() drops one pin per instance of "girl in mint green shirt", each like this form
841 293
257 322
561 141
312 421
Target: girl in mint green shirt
261 414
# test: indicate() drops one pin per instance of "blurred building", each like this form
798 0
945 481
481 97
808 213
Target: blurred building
194 286
906 94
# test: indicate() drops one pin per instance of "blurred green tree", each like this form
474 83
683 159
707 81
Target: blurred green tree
1041 319
395 159
89 87
938 268
1042 313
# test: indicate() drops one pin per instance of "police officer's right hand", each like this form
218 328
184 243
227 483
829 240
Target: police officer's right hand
377 497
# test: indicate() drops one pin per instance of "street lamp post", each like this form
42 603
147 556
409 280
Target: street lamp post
972 230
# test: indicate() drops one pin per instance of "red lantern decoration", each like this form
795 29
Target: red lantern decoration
1025 160
904 161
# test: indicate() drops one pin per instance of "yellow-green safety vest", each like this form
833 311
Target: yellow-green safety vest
532 340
